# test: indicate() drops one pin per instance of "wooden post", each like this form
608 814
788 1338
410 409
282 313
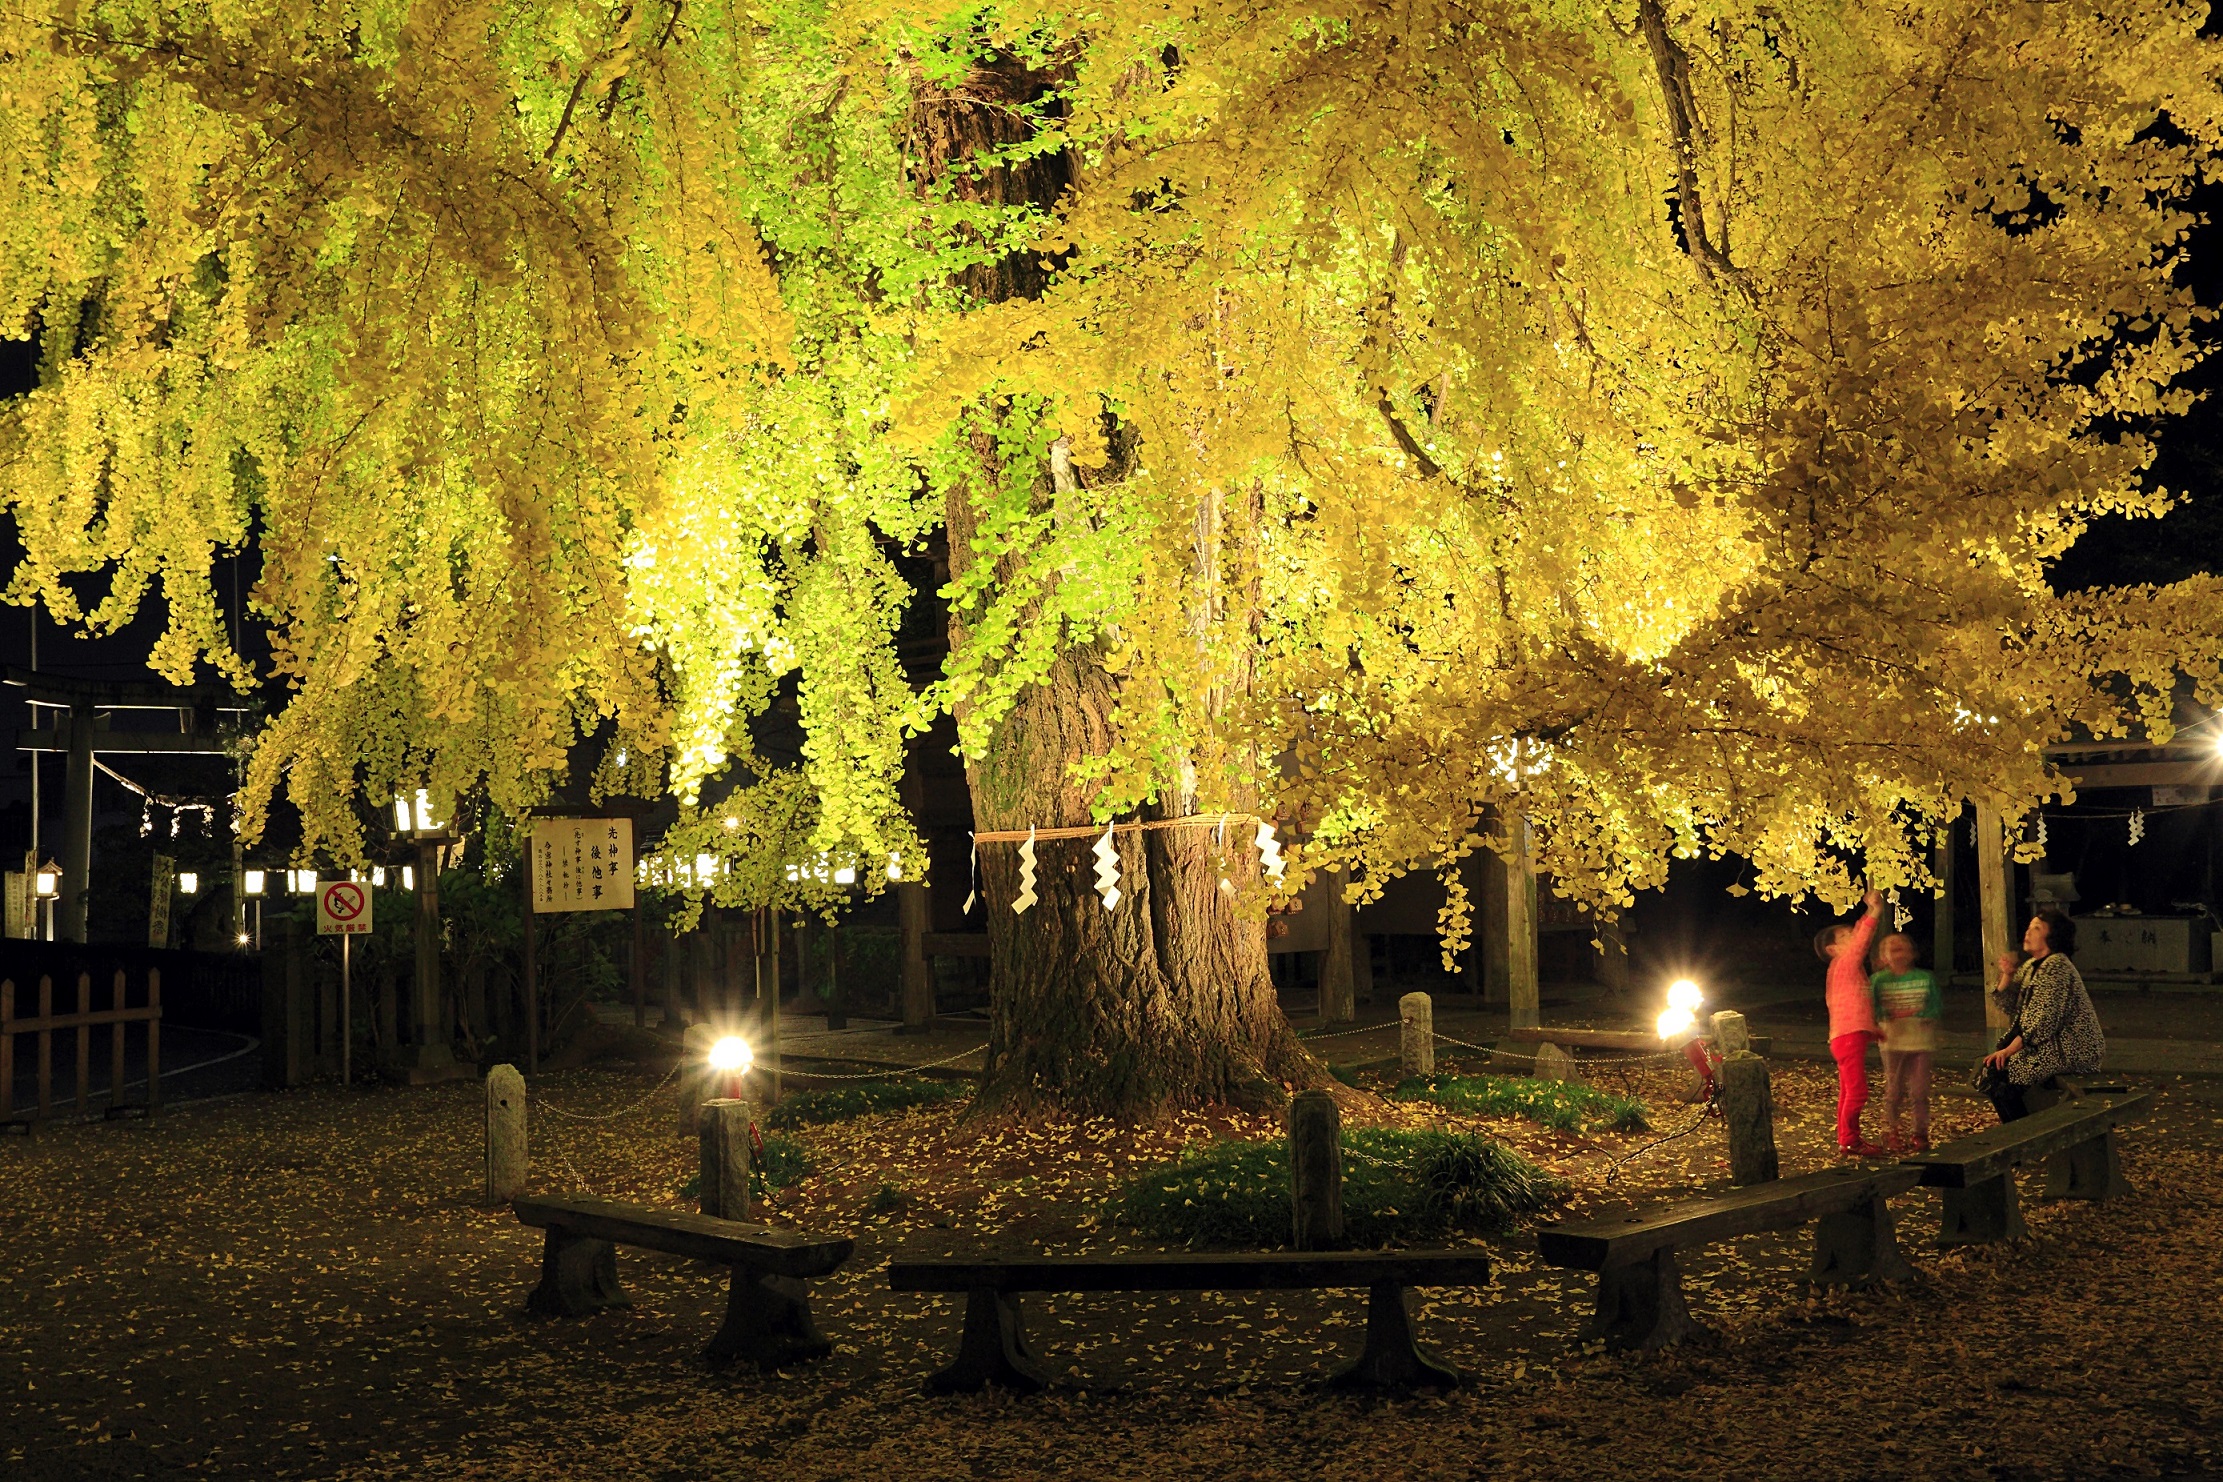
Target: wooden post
1523 999
1748 1115
1315 1171
1339 971
724 1132
913 913
1613 958
837 998
532 975
636 971
433 1039
77 826
1942 948
1995 876
46 1048
85 1044
115 1051
154 1040
347 1010
1493 935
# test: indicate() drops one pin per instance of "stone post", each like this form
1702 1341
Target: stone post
1748 1113
1554 1064
725 1158
1315 1171
1416 1034
507 1161
1730 1033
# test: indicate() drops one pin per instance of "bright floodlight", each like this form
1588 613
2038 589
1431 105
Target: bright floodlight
731 1055
1674 1021
1683 994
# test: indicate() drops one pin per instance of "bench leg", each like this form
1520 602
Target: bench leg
768 1323
1858 1248
1982 1213
1391 1360
1641 1305
992 1350
577 1276
2090 1170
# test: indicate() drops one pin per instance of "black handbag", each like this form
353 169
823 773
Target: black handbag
1990 1080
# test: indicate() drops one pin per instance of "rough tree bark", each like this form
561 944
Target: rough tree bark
1165 1001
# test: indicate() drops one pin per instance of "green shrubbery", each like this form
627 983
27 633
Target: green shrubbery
1396 1186
863 1099
1559 1104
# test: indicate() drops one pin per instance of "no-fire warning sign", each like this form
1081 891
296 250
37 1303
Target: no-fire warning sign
343 909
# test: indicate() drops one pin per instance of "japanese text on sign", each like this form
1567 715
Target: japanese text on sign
582 864
343 909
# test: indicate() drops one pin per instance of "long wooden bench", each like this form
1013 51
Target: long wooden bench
1640 1292
992 1348
768 1318
2075 1137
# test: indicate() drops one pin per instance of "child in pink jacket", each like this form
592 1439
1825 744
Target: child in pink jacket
1852 1022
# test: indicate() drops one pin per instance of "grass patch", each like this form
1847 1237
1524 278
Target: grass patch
862 1100
1558 1104
887 1199
784 1162
1396 1186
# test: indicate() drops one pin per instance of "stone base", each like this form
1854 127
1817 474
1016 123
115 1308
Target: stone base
2090 1170
1858 1248
1982 1214
578 1275
768 1323
1641 1305
991 1350
1391 1359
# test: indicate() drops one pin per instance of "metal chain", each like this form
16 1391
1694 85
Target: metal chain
578 1180
1345 1033
1658 1056
621 1111
1695 1123
881 1075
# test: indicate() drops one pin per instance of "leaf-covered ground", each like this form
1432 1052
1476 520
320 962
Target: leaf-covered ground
306 1285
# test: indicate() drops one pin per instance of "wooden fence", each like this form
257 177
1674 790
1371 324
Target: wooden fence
116 1016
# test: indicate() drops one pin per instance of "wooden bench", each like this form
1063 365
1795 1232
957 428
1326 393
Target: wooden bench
768 1318
1640 1293
2075 1137
993 1348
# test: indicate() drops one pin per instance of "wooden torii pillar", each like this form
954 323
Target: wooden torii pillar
84 735
1995 889
1509 927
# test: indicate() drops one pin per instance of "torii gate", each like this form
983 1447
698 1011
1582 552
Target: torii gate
83 732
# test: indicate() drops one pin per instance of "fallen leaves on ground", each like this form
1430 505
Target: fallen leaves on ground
307 1285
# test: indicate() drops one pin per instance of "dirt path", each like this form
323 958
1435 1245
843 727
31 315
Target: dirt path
304 1286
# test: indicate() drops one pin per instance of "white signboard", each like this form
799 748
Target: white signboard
582 864
343 908
22 904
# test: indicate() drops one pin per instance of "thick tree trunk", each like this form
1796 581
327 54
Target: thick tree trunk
1164 1001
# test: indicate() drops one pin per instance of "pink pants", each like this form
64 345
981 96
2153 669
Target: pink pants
1906 1084
1851 1052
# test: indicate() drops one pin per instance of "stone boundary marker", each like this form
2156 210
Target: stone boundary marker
507 1157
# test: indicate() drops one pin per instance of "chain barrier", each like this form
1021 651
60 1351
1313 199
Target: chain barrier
1695 1123
556 1146
1661 1057
621 1111
881 1075
1346 1033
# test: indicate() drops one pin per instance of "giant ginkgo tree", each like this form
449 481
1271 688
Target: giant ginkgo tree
1648 423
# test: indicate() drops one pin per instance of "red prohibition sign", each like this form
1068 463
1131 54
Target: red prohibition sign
344 901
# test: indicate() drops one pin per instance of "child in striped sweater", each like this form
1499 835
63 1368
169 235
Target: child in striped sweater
1908 1011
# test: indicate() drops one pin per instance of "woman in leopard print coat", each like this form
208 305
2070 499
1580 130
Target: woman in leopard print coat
2056 1032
